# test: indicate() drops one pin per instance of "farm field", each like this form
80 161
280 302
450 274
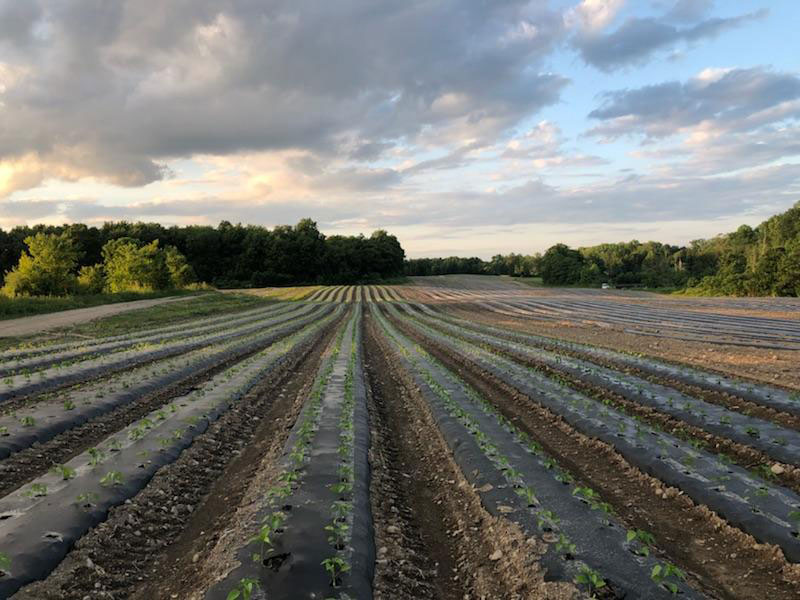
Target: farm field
456 437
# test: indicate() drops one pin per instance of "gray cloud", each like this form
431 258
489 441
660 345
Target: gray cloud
638 39
116 89
739 99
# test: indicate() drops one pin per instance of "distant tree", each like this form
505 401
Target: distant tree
561 265
46 269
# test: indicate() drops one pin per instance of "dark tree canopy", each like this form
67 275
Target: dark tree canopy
233 255
751 261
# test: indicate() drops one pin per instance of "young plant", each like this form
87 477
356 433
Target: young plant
65 471
645 539
590 578
5 562
661 572
335 567
37 490
96 456
337 534
27 421
87 498
111 478
243 590
69 404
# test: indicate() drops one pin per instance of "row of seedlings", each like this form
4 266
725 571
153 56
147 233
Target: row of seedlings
773 397
315 537
778 442
70 354
35 382
768 512
41 521
518 481
62 410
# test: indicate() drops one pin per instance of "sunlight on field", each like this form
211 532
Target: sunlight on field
299 292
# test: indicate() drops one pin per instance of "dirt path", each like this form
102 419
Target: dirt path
65 318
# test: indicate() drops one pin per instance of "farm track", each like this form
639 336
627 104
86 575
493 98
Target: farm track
115 558
710 549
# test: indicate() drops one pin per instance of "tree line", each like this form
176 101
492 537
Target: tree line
751 261
224 256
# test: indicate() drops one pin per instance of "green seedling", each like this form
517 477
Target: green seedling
96 456
661 572
335 567
590 578
37 490
111 478
337 533
564 545
795 516
27 421
265 537
65 471
342 487
5 562
4 431
115 445
645 539
69 404
87 499
528 494
340 509
243 590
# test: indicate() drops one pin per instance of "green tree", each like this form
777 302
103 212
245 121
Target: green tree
133 266
91 279
180 271
561 265
46 269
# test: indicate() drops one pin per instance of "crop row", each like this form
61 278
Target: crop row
766 511
314 533
518 480
41 521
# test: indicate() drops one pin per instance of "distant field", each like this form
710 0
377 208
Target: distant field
293 440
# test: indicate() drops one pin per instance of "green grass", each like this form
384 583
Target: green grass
205 304
12 308
209 304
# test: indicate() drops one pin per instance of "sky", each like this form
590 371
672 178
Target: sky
463 127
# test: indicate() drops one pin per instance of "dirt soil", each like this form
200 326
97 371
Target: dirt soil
693 537
187 500
775 367
446 514
65 318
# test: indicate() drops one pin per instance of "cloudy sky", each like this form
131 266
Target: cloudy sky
464 127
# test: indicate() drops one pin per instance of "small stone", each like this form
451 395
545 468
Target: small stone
195 557
777 469
382 550
496 555
392 529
